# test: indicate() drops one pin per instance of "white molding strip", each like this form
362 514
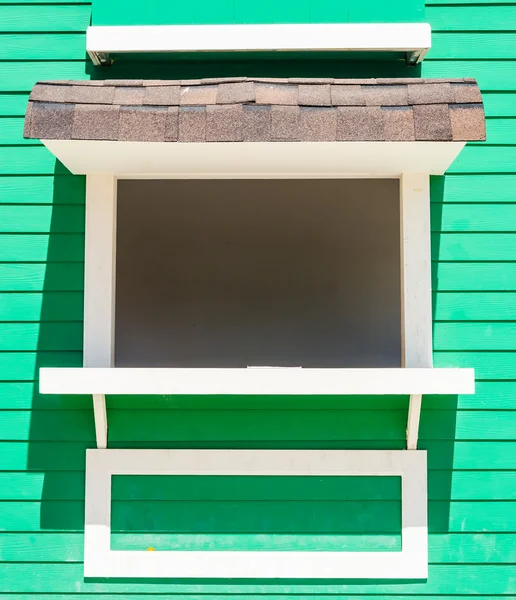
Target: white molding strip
256 381
411 38
410 563
99 286
416 286
287 160
416 275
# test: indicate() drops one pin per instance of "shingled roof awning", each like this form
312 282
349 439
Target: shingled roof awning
237 125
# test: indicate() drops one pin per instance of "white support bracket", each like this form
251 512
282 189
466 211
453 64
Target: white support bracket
414 413
101 423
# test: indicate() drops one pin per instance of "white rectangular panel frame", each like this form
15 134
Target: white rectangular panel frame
410 563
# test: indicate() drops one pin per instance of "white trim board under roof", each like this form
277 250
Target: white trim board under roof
413 39
161 160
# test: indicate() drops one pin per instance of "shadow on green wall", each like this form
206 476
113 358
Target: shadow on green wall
190 66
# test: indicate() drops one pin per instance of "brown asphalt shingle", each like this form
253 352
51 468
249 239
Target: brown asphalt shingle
257 109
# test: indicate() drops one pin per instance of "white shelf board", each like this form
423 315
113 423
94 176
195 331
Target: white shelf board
412 38
256 381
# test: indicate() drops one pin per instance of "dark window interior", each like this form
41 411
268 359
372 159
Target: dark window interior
237 273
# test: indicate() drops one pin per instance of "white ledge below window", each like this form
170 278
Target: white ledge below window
256 381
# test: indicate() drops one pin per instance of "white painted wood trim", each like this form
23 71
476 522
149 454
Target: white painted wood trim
100 417
286 160
99 286
414 414
410 563
256 381
99 276
412 38
416 273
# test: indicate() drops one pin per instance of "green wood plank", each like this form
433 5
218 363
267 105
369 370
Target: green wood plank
121 12
11 132
471 306
24 395
482 277
473 188
22 76
43 46
473 336
244 426
474 246
487 365
282 517
285 517
45 306
499 131
479 159
492 75
442 485
476 217
30 160
283 425
473 45
48 456
68 547
24 366
13 104
43 18
290 596
39 277
187 425
499 104
472 18
42 219
488 395
41 336
35 247
45 189
442 579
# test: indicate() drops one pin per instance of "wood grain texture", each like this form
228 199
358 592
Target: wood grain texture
43 46
33 277
41 219
474 246
442 579
44 18
442 485
46 189
41 247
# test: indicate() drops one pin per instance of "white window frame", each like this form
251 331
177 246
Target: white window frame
409 563
100 281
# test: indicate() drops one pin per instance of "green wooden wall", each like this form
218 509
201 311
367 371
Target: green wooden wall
176 12
471 440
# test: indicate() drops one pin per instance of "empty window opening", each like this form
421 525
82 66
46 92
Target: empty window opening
237 273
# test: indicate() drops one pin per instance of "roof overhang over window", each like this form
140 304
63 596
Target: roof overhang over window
257 127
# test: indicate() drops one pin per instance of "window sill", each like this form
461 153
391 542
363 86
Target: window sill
256 381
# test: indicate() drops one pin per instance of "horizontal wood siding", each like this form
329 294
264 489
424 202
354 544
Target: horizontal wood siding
471 439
